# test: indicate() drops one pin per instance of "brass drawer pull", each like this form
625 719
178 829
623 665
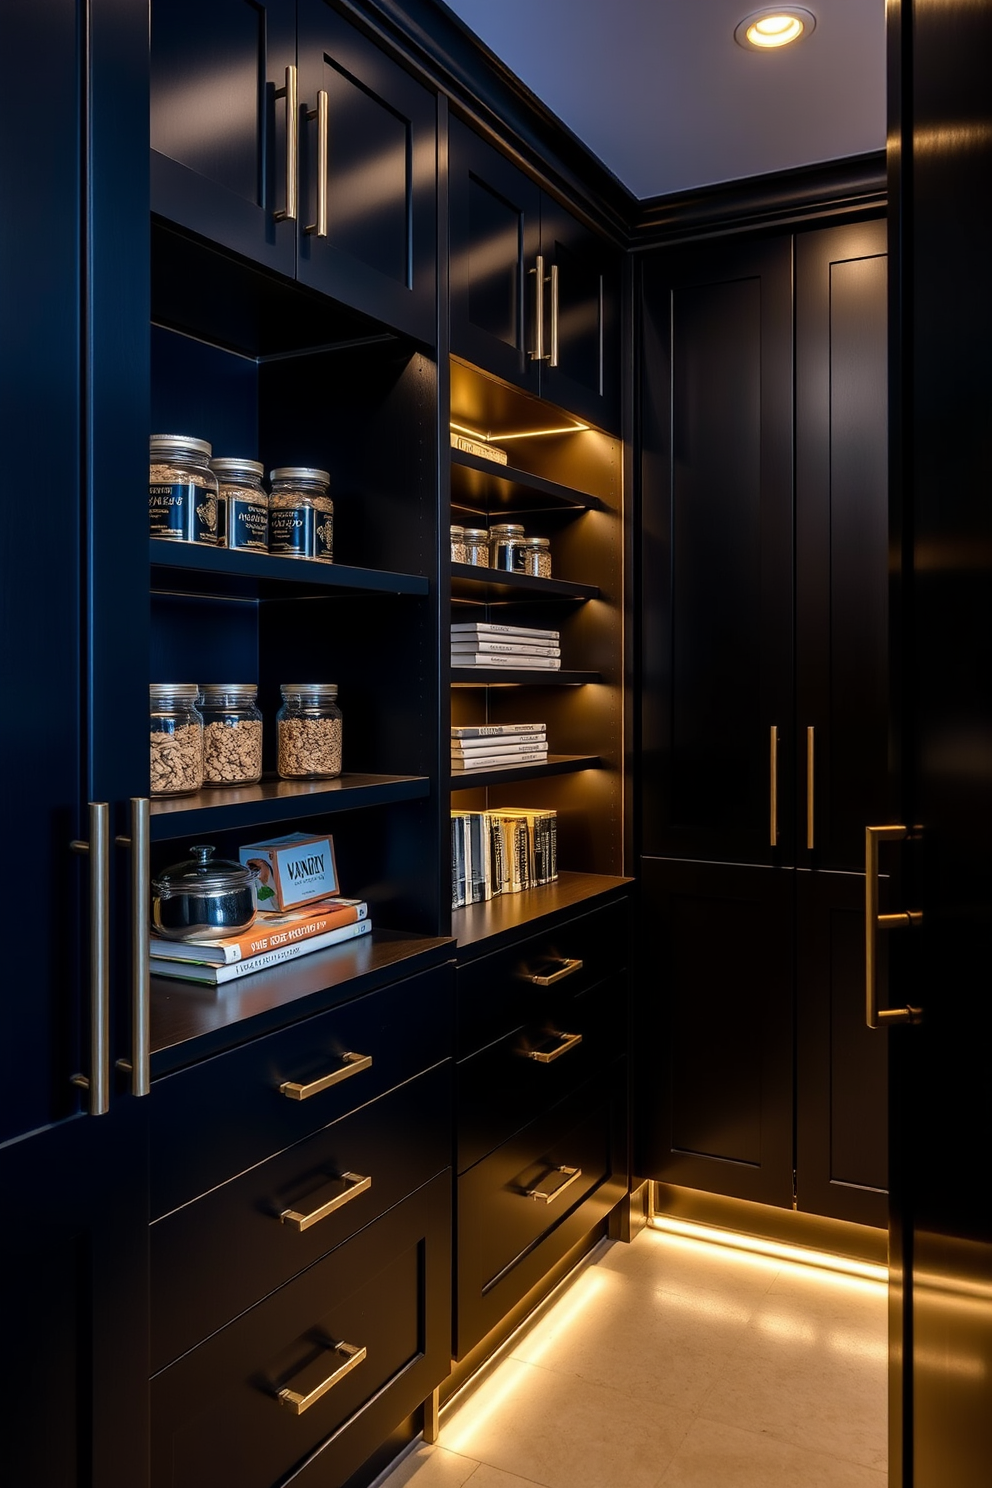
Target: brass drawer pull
566 969
548 1056
354 1184
300 1400
351 1064
572 1175
321 114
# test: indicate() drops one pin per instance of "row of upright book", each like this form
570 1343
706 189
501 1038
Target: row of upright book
501 852
479 643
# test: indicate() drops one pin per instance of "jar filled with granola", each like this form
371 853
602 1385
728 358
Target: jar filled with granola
476 541
182 489
301 513
505 545
244 506
176 739
458 544
308 729
232 733
535 557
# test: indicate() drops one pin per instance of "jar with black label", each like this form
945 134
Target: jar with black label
176 739
535 555
232 733
182 490
301 514
308 730
244 506
476 540
506 546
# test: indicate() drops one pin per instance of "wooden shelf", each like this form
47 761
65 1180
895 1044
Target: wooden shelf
274 801
557 764
233 574
470 583
488 924
483 486
518 677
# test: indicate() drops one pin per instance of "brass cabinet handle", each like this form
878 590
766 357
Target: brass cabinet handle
322 114
354 1184
97 1082
543 1196
289 92
877 1017
351 1064
300 1400
553 357
138 1066
810 748
568 968
568 1041
537 355
773 785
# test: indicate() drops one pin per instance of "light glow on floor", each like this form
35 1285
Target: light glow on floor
771 1250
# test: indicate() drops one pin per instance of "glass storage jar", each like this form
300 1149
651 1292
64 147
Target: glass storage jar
477 546
176 739
301 513
232 733
458 545
182 489
308 730
244 506
535 556
505 546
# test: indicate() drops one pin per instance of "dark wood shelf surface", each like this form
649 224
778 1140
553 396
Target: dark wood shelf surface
484 486
231 573
482 585
219 1017
490 925
278 800
518 676
557 764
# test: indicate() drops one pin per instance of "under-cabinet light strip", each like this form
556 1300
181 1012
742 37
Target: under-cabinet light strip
773 1249
493 438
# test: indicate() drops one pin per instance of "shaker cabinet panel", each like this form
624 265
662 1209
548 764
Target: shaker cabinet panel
582 369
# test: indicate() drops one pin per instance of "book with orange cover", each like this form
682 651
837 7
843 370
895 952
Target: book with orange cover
270 932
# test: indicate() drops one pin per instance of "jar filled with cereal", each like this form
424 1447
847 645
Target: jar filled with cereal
176 739
476 540
182 490
301 513
535 556
308 729
232 733
244 506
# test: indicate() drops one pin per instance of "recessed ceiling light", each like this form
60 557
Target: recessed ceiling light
766 29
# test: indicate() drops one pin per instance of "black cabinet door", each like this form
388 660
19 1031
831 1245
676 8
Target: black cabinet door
377 249
581 366
714 1030
495 240
717 554
218 130
841 542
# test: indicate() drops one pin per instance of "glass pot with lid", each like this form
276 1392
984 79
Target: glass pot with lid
203 897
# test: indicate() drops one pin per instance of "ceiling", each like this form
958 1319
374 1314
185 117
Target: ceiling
660 91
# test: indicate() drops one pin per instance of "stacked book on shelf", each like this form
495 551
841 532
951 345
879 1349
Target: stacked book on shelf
498 745
479 643
501 852
272 939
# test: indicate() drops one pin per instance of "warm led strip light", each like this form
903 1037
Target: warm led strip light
765 30
493 438
772 1249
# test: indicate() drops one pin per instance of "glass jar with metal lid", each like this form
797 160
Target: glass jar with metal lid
308 730
476 540
301 513
505 545
232 733
535 556
182 489
176 739
244 506
458 544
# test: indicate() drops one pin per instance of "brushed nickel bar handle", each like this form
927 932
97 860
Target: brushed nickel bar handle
810 777
298 1401
553 357
543 1196
537 355
289 92
568 968
876 1017
351 1064
568 1041
773 785
97 1082
322 114
354 1184
139 1065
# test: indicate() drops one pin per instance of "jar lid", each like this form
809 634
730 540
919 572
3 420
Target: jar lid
229 465
537 542
215 689
157 690
506 529
317 689
476 534
457 531
178 444
203 873
300 473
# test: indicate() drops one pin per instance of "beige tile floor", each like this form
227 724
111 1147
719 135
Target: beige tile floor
671 1363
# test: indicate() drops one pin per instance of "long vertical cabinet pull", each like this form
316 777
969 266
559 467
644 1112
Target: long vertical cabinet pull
553 356
810 778
537 355
773 785
97 1082
289 92
322 114
138 1066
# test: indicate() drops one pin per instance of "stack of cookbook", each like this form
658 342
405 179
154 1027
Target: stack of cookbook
272 939
478 643
491 746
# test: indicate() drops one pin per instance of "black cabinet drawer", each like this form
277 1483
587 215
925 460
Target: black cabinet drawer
230 1112
216 1256
570 1039
216 1413
498 993
509 1236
